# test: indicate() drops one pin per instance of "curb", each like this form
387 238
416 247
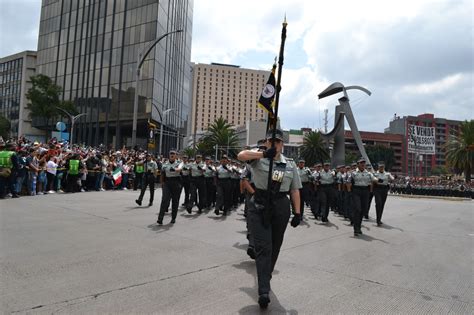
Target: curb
432 197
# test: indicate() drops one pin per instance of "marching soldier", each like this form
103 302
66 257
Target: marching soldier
149 170
347 193
340 189
371 195
326 190
306 181
171 183
381 190
268 215
224 188
361 186
186 180
209 174
316 208
198 185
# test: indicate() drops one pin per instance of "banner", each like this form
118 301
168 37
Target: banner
421 140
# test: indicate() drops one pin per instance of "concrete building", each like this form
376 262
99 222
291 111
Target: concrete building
15 73
416 161
227 91
90 48
370 138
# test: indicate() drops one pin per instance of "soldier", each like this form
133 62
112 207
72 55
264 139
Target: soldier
361 187
224 188
306 181
316 208
340 189
269 214
186 180
235 184
371 194
209 174
171 183
9 167
381 190
198 185
149 170
326 190
347 194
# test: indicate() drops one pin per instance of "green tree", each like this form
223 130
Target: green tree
44 98
460 149
219 133
350 158
189 151
439 170
377 153
314 148
5 127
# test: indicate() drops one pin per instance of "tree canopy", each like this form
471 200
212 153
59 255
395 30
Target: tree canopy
460 149
314 149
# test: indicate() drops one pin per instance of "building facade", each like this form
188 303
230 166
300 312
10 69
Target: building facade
419 163
369 138
91 47
15 73
226 91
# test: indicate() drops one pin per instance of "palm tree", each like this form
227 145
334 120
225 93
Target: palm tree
314 149
219 133
460 149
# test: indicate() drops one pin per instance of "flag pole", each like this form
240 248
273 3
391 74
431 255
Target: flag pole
274 121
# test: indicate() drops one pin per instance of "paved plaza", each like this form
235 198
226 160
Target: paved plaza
98 253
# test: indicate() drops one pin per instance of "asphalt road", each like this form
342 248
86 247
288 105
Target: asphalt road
98 253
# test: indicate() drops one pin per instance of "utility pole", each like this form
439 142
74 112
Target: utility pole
326 120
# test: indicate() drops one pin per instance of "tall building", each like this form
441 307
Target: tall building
15 72
90 48
424 137
226 91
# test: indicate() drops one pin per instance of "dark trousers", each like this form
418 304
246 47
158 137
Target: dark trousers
224 195
326 195
316 206
51 181
138 181
210 191
149 181
305 196
235 183
371 196
348 205
186 181
267 239
198 190
72 185
360 198
380 193
171 193
7 182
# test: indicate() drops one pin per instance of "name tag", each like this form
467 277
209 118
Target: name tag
277 176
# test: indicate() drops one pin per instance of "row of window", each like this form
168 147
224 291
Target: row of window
11 65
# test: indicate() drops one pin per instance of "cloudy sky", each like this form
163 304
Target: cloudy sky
415 56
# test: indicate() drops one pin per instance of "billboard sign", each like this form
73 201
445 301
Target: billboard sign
421 140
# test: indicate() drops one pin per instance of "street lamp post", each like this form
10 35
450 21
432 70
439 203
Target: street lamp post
162 116
141 59
72 119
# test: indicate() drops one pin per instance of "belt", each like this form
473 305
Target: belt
197 176
260 193
326 185
173 178
226 178
361 187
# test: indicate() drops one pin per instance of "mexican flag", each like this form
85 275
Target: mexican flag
117 175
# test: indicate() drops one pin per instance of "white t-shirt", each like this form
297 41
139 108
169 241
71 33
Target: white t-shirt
51 167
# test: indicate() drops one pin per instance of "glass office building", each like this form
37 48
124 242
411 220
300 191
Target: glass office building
90 48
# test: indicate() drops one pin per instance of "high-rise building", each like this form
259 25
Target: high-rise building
15 73
227 91
431 134
91 47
